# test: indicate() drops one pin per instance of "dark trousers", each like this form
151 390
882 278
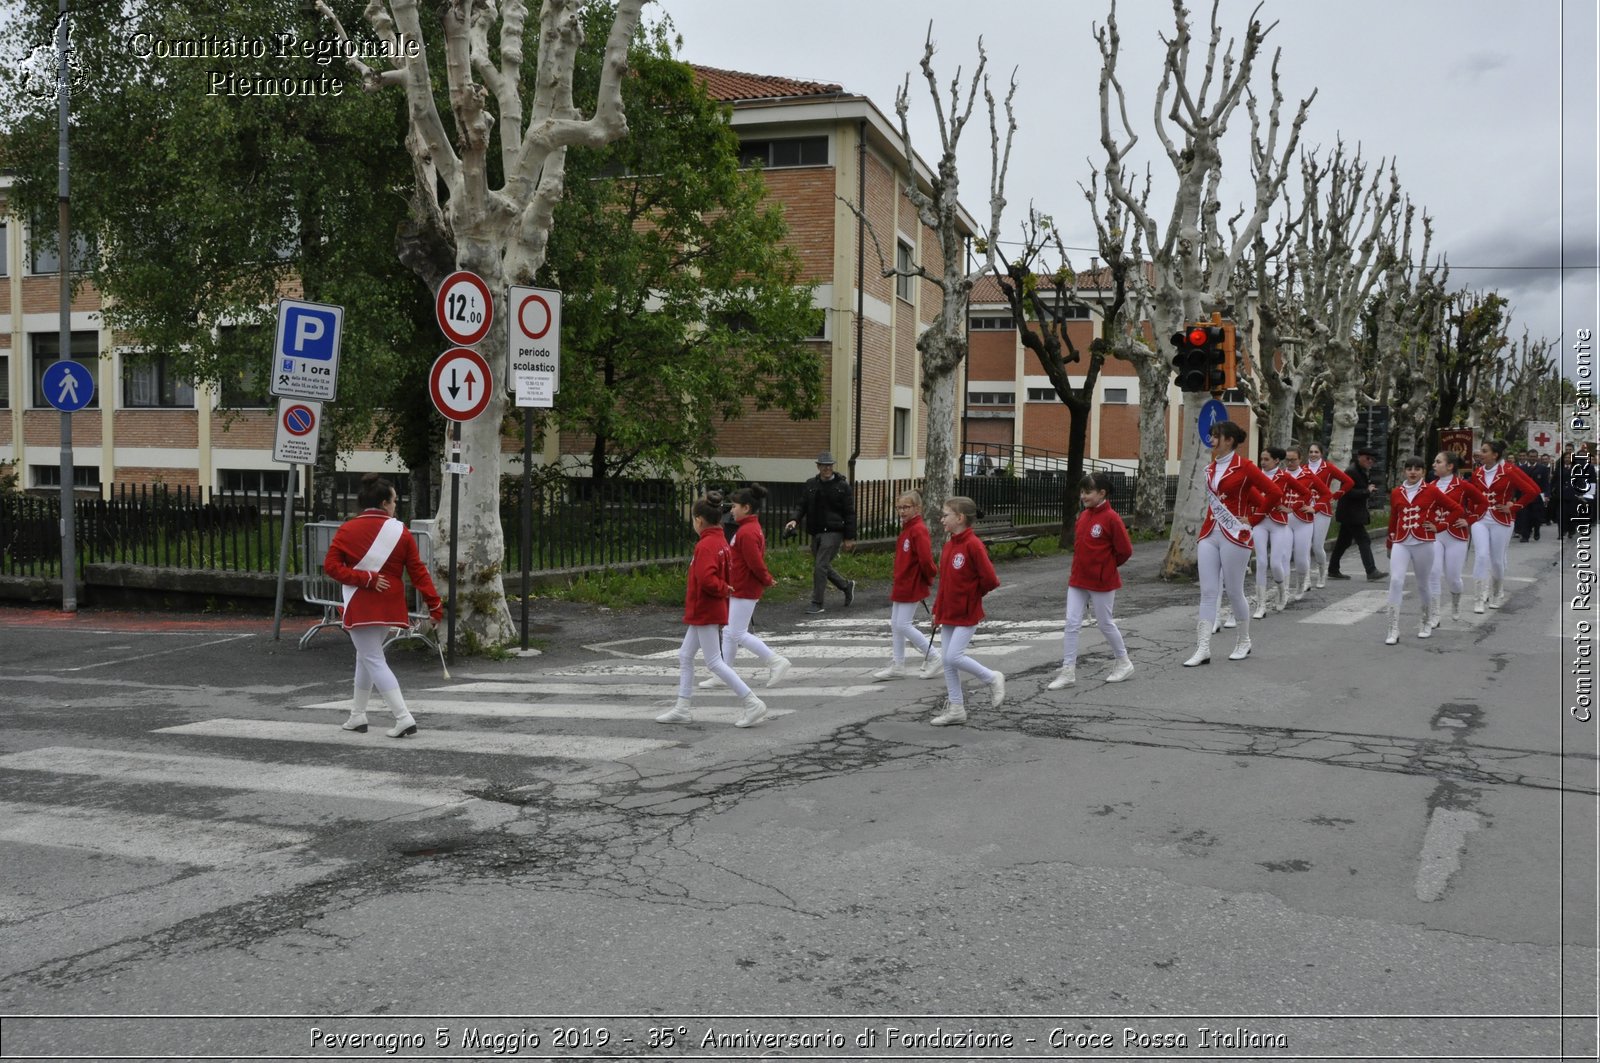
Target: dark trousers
1351 532
824 548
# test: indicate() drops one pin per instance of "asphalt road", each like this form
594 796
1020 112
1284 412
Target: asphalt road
1333 848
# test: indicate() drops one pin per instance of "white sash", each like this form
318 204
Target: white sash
382 546
1235 527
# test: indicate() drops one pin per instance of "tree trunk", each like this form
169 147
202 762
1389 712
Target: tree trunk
1188 511
1346 402
939 392
1077 443
1150 489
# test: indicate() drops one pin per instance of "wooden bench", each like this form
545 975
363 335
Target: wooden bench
996 531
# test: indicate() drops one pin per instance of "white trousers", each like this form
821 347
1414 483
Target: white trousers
1102 603
1410 555
956 661
1319 538
903 629
1222 564
1273 543
372 670
1490 540
1449 559
702 639
737 633
1302 532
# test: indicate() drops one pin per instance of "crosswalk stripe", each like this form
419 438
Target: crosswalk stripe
1351 610
871 651
494 743
883 622
150 836
644 690
724 713
233 773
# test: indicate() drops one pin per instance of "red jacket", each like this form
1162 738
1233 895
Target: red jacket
1411 520
913 563
1328 472
1099 546
1257 509
1241 475
368 605
1303 493
1509 478
750 577
1464 493
705 599
965 576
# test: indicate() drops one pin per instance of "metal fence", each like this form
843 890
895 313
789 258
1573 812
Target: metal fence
577 522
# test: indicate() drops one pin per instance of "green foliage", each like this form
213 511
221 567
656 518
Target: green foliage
682 306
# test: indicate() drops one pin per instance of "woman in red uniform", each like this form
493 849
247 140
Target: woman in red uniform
1450 547
1224 541
1413 520
1301 493
1330 475
368 554
1100 546
1274 542
1508 489
750 578
913 578
965 576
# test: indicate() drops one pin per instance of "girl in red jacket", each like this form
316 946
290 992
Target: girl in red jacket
1099 547
1450 545
913 578
705 609
1330 475
1224 541
1415 510
368 554
1508 489
965 576
750 579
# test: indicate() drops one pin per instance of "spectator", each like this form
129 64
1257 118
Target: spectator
828 507
1351 513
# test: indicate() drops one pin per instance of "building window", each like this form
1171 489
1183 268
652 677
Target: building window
47 348
254 481
1116 395
902 431
1042 395
45 258
902 262
796 151
84 477
1072 312
244 348
5 382
986 324
991 398
148 381
4 260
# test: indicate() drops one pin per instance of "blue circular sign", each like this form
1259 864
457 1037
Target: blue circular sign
67 386
1212 412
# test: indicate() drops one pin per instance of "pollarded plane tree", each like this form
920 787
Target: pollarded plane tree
1192 265
1267 287
1517 388
457 220
943 345
1470 337
1402 318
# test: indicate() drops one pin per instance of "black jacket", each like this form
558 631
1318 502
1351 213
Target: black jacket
1352 505
827 507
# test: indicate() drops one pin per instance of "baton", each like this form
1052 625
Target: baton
933 633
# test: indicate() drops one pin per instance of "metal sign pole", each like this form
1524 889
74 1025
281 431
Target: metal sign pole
69 531
527 513
283 550
455 519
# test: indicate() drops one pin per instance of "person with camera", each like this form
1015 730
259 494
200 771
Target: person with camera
1351 513
828 507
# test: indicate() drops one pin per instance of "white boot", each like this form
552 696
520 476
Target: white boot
711 682
1394 625
1202 653
1483 596
1241 649
933 667
955 712
404 725
1123 669
1263 600
1455 606
1497 594
896 670
754 711
997 690
776 668
679 713
1425 629
1064 678
1300 585
1433 620
357 722
1228 619
1322 575
1280 596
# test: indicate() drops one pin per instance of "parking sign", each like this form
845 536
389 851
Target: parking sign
305 355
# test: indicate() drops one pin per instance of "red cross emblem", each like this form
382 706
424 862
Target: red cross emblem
1541 439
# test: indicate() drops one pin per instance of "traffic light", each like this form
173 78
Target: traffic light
1199 358
1191 375
1230 359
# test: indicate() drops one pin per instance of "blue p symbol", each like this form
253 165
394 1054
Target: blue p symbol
309 333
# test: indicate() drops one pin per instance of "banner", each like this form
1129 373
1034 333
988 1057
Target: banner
1456 439
1545 437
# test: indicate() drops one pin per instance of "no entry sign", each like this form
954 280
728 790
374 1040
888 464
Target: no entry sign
459 384
464 307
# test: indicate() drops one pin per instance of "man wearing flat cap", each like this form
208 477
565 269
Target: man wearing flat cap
1351 513
828 506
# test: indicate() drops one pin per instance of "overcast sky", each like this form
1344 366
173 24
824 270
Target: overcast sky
1467 97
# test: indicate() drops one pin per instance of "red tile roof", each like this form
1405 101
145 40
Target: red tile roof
731 86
